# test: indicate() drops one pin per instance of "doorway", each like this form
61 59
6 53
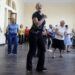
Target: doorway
7 18
11 15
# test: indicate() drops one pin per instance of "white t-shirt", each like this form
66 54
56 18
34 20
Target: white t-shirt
61 30
50 30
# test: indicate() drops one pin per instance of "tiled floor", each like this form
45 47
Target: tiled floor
15 65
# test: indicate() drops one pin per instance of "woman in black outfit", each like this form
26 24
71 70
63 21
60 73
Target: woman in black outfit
36 40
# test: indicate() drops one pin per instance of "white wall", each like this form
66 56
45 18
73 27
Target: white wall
20 12
24 14
2 37
55 13
20 16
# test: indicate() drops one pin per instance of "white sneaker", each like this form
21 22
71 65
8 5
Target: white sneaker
49 50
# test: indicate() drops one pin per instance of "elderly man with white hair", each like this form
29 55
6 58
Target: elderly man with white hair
58 42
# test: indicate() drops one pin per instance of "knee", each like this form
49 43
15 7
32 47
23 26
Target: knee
16 43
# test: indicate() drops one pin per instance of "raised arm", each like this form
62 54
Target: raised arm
58 33
38 23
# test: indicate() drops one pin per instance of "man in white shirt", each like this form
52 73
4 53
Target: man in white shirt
58 42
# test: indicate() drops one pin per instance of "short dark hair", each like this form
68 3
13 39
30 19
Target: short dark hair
26 26
66 26
50 24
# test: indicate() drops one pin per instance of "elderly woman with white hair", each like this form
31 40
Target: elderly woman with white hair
67 40
58 42
36 40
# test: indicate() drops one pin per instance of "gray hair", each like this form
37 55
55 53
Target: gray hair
38 4
62 21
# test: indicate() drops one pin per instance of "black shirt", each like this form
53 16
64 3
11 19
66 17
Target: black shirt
34 28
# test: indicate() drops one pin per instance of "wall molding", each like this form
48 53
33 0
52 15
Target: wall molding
49 2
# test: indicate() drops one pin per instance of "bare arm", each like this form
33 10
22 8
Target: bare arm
44 33
38 23
58 33
68 34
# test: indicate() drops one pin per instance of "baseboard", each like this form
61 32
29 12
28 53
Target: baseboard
2 44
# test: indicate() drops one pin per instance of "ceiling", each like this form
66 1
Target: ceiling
49 1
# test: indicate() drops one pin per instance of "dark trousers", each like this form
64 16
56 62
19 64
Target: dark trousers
74 43
6 35
34 42
26 38
21 39
49 43
12 38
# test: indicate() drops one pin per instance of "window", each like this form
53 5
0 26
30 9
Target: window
8 2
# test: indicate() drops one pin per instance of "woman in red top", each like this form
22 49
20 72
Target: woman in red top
26 34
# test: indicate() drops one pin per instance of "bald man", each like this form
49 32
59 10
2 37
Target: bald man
58 42
36 40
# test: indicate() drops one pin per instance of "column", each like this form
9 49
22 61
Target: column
2 11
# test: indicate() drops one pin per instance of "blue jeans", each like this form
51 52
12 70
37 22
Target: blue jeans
12 39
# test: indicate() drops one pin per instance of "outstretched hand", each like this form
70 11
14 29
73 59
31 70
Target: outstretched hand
45 16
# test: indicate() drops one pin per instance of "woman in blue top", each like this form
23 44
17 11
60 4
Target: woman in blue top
13 29
36 39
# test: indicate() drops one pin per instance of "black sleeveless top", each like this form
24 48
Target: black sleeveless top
34 28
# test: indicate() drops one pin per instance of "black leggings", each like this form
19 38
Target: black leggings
34 42
49 43
21 39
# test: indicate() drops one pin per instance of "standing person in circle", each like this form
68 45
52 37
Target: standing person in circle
50 35
21 35
12 30
36 40
27 34
67 39
58 42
